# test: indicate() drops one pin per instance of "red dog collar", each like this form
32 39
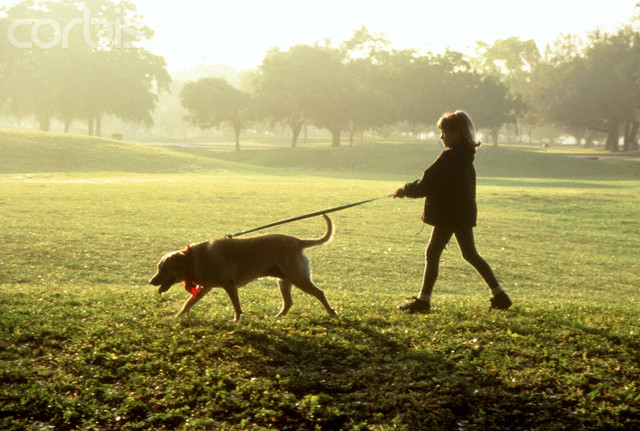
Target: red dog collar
190 285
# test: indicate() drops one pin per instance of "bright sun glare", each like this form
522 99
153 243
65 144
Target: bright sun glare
239 33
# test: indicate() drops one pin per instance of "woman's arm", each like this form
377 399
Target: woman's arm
432 178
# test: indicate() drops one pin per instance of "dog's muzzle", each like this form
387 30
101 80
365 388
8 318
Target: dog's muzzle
163 285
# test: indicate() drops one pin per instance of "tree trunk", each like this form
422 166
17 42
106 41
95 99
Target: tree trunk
294 138
237 140
633 141
335 138
631 135
352 132
90 125
296 128
588 141
613 136
98 125
45 123
67 124
494 134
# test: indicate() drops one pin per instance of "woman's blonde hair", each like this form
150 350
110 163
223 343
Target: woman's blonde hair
460 120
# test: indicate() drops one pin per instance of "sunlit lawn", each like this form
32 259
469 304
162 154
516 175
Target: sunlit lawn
85 343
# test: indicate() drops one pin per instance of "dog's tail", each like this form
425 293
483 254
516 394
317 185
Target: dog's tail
306 243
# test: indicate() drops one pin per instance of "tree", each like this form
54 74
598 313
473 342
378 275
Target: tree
330 84
595 86
370 88
614 61
213 102
305 83
282 86
367 97
429 85
28 75
511 61
137 72
367 45
489 101
83 63
422 88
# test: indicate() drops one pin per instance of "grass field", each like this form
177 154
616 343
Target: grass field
86 343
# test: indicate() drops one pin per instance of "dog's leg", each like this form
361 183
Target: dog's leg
299 273
310 288
232 291
285 291
192 301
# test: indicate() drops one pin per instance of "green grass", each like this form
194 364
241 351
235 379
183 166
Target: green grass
86 343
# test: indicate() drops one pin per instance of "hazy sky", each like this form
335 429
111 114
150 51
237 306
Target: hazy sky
239 32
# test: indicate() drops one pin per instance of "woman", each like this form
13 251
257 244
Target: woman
449 186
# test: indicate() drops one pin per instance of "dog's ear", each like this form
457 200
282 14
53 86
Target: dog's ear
175 259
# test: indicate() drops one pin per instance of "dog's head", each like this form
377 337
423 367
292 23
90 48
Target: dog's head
171 270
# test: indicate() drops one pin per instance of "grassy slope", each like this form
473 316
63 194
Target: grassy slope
85 344
389 160
35 152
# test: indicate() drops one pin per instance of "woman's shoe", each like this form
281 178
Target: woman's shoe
500 302
417 305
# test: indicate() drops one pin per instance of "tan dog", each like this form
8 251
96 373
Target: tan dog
231 263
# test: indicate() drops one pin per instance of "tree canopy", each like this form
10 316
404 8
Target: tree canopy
79 60
595 87
213 102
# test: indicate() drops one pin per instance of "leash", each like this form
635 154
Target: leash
304 216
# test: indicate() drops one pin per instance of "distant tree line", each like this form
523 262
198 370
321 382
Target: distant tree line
357 87
587 88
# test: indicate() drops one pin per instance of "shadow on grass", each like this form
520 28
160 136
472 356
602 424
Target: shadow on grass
533 367
361 371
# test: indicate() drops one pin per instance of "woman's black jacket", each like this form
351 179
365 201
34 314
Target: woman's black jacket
449 186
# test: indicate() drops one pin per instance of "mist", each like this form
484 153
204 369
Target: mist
71 68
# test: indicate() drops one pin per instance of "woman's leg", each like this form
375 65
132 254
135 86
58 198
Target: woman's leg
467 246
437 242
500 300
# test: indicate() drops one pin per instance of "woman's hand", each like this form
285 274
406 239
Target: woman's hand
399 193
